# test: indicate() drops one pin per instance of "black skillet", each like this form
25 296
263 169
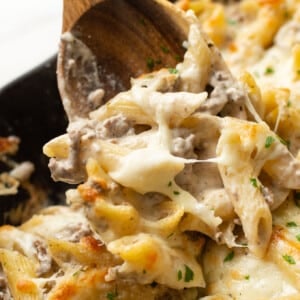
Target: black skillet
30 108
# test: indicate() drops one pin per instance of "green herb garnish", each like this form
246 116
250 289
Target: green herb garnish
75 274
247 277
229 256
111 295
269 141
176 193
291 224
269 71
179 275
298 237
189 274
253 181
150 63
289 259
164 49
173 71
178 57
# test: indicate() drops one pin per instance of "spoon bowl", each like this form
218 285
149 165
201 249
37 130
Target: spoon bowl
110 41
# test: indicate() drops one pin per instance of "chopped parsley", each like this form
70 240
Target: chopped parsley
178 57
179 275
298 237
170 183
253 181
291 224
173 71
150 63
298 72
112 295
269 71
229 257
189 274
165 49
289 259
78 272
176 193
75 274
247 277
269 141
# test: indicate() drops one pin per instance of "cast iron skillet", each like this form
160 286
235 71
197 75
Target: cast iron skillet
30 108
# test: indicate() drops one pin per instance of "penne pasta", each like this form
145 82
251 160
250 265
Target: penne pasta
186 185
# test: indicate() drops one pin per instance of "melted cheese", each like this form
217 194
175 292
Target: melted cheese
184 156
245 276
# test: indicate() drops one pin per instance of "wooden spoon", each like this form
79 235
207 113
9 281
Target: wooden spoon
112 41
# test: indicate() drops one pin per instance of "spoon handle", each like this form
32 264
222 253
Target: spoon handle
72 11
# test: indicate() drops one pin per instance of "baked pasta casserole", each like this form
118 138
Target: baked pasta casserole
19 197
187 183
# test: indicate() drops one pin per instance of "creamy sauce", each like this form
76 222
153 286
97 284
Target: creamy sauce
192 143
245 277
